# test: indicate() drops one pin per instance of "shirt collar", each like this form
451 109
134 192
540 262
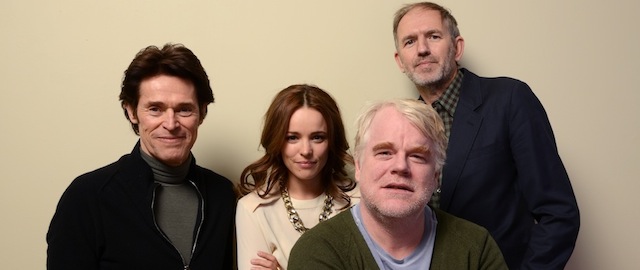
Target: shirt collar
449 98
451 95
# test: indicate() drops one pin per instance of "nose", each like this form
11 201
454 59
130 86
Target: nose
400 166
423 47
305 148
170 121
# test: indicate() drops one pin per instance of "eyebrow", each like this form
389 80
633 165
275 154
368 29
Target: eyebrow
427 33
425 149
162 104
383 145
421 149
319 132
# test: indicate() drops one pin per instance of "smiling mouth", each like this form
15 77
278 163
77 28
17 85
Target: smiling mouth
171 139
306 162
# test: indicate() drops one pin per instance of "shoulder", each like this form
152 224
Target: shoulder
339 228
98 178
456 238
333 244
454 228
87 189
337 233
251 202
209 175
496 91
509 82
212 181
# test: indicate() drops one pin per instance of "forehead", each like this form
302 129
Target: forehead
420 20
167 89
306 118
389 125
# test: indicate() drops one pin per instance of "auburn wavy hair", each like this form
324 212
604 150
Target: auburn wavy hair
270 171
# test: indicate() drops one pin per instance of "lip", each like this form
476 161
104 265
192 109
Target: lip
398 187
306 164
426 60
425 63
171 139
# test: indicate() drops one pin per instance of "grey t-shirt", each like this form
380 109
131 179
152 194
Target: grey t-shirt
419 259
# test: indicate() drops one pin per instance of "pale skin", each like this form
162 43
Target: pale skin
168 118
305 154
397 175
426 52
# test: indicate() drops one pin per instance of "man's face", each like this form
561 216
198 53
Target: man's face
168 118
396 169
425 50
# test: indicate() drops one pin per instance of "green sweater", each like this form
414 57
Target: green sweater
338 244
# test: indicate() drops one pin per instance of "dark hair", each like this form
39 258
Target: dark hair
447 19
271 170
173 60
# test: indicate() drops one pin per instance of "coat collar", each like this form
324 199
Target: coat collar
466 123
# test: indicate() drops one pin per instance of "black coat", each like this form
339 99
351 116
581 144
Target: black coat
504 173
104 220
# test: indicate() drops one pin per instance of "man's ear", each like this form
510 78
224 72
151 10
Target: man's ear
399 61
459 45
131 112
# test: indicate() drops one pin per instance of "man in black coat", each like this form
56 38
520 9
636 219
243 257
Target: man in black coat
502 170
153 208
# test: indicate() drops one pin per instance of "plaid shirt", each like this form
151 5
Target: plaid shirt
446 107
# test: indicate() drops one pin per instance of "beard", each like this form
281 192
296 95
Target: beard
391 210
435 77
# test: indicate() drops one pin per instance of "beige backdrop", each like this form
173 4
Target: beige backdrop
61 63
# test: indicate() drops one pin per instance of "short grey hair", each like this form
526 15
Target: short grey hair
447 19
421 115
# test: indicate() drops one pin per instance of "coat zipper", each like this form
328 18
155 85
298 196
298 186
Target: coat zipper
155 223
201 199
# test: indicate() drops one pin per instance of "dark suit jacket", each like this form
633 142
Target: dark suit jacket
105 220
503 172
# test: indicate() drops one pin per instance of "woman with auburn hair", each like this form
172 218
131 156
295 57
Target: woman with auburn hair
301 180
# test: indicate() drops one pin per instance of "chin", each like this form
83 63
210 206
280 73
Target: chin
401 210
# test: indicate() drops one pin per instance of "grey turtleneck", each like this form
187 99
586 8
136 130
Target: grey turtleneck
176 204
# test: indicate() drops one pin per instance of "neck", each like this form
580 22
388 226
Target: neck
430 95
305 190
166 174
399 237
432 92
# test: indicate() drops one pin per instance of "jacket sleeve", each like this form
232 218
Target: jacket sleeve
544 183
73 232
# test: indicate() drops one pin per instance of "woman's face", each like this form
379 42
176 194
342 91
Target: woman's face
306 147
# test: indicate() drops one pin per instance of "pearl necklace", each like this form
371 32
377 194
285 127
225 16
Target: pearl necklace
293 214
